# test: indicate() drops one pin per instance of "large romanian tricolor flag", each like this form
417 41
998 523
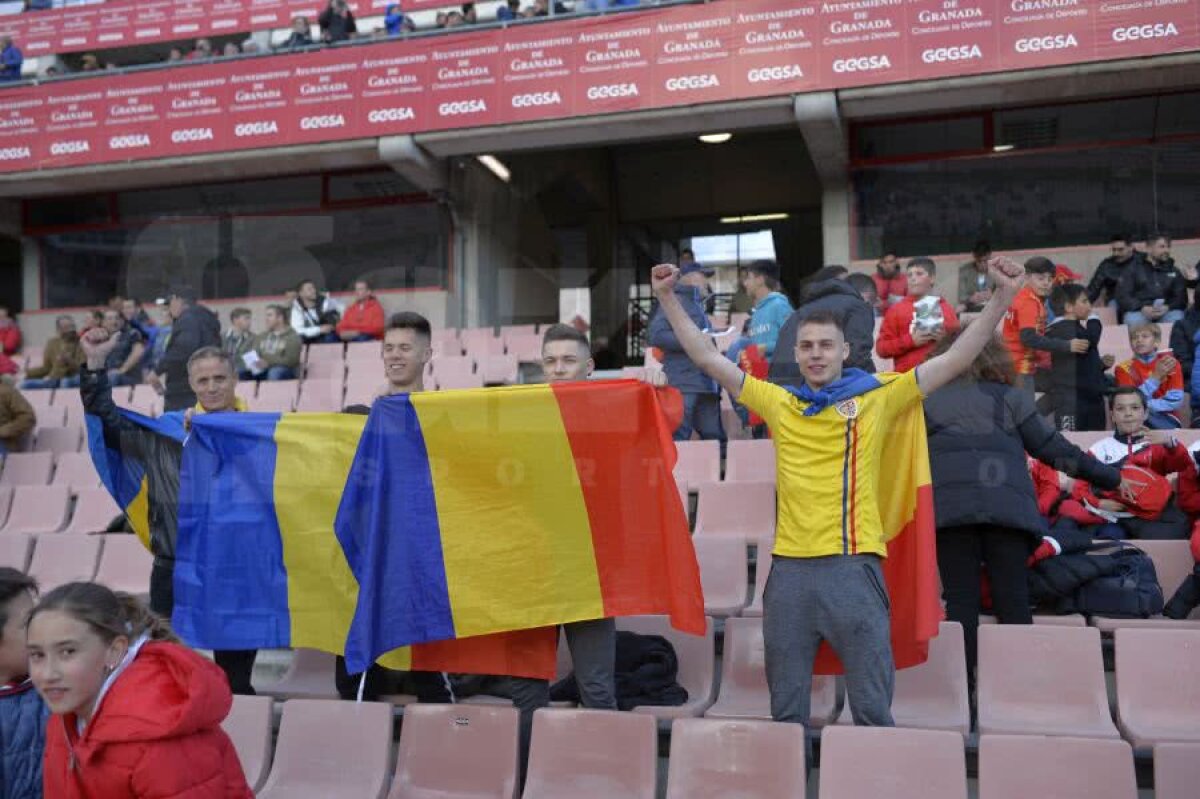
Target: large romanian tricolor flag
457 515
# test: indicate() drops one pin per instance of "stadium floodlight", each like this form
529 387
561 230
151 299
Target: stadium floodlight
716 138
496 166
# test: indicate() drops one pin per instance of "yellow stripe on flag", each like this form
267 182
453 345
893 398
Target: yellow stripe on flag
138 514
498 460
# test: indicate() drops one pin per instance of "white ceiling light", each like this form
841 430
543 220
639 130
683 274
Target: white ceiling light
1003 148
735 220
716 138
496 166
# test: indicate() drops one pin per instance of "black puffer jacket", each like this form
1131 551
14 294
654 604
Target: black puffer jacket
979 433
1183 345
1144 281
858 322
196 327
1108 275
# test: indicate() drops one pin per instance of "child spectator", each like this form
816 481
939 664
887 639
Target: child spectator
974 284
904 336
1156 374
890 283
23 714
363 320
1077 382
138 714
10 342
239 340
1025 324
393 20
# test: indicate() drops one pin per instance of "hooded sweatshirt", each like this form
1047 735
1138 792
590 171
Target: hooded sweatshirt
858 325
155 734
766 320
195 328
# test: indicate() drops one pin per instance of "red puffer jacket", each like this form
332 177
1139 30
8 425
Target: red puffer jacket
157 735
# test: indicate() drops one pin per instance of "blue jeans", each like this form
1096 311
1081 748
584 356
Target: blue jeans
702 413
1138 318
281 373
46 382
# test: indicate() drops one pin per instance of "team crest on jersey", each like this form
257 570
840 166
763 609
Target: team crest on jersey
848 408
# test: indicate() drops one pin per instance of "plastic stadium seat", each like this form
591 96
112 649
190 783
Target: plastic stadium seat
95 510
320 396
699 463
499 369
248 726
1042 680
734 430
433 740
324 370
37 509
696 654
331 748
741 510
76 470
1063 768
1067 620
362 392
27 469
368 351
325 352
364 371
723 575
526 348
276 396
592 754
744 692
1114 341
932 696
140 394
59 559
309 676
456 373
507 331
1158 686
750 462
15 550
446 343
1176 771
247 390
1173 563
894 762
762 571
125 564
713 759
480 342
59 440
6 496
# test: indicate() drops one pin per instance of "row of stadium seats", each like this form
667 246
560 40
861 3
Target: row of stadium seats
42 509
118 560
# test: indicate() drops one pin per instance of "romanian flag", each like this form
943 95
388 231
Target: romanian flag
458 515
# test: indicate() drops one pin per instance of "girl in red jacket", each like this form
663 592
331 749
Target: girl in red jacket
136 714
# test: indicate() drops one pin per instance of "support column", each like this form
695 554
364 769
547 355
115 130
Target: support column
824 134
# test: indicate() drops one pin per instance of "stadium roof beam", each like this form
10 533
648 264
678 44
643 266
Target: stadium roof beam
413 163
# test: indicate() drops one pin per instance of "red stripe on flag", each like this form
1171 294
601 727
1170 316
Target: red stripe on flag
853 487
523 653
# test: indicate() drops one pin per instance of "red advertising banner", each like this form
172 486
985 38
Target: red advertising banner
680 56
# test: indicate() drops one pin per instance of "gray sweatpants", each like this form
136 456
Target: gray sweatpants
840 599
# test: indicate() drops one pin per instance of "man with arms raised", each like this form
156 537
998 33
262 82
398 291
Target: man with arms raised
826 582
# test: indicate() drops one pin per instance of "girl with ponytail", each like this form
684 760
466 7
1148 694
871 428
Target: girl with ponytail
136 714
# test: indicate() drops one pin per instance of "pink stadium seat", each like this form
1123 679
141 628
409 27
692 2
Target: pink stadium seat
37 509
480 342
362 392
59 440
723 574
1114 340
27 469
526 348
742 510
366 351
433 740
894 762
713 759
1176 771
1068 620
140 394
6 496
276 396
325 352
40 398
247 390
95 510
456 373
1042 680
699 462
1106 315
446 343
364 371
75 418
932 696
744 679
59 559
762 571
499 370
320 396
1158 686
696 654
592 754
248 726
75 470
331 748
309 676
125 565
1060 767
750 462
507 331
1173 563
15 550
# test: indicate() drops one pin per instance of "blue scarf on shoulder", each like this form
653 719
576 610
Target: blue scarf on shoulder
852 383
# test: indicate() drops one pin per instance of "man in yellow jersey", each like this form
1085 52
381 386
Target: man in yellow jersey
826 582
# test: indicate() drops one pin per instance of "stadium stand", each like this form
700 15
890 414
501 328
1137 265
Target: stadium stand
38 509
750 462
27 469
59 559
76 470
711 759
1063 767
59 440
565 757
699 462
904 764
743 510
125 565
697 668
15 550
723 574
1158 695
250 726
1172 564
309 676
429 764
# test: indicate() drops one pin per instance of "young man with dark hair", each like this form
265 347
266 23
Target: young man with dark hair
124 362
277 348
1077 383
828 290
1103 285
239 340
826 582
1155 373
1151 289
315 315
974 285
771 308
1025 325
891 285
912 327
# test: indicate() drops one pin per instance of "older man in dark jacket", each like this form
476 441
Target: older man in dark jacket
826 292
193 327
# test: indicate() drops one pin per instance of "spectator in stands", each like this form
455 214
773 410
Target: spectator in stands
604 5
1103 285
701 396
771 309
10 342
213 383
89 63
541 8
23 714
314 315
1077 384
337 22
891 284
393 20
1185 343
1156 374
509 11
469 14
439 21
231 49
38 5
250 46
1151 289
161 338
454 19
980 427
866 288
1025 325
135 315
17 420
827 292
60 360
202 50
158 732
124 362
193 328
914 325
822 587
239 340
278 348
301 34
175 54
11 59
974 284
1187 597
363 320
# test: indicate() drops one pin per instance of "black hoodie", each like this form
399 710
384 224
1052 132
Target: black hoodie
1108 275
858 323
196 327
